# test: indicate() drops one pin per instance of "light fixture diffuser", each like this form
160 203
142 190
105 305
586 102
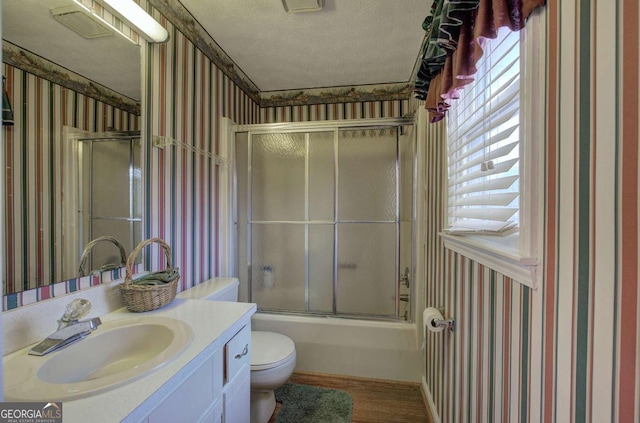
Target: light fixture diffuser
81 21
148 27
296 6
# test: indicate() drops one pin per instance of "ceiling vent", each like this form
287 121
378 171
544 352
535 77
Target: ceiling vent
81 21
295 6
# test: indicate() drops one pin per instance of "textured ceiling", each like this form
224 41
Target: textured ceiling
111 61
348 42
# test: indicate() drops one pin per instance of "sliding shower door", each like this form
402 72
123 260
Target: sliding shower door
319 228
278 221
367 221
110 195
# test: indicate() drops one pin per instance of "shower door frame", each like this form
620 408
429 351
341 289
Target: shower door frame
332 126
75 142
86 234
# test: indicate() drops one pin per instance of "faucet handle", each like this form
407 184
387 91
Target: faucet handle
75 310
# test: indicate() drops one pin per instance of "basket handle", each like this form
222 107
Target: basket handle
132 257
87 249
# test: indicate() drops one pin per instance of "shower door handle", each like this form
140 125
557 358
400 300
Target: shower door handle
404 280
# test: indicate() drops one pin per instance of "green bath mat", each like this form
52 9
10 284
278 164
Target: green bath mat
308 404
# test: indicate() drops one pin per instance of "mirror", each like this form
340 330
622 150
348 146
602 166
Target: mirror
61 81
105 214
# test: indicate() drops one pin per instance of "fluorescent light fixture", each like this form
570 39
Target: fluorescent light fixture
148 27
296 6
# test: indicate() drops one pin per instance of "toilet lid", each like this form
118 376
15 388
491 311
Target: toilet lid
269 348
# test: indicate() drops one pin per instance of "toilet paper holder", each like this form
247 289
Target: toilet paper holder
449 324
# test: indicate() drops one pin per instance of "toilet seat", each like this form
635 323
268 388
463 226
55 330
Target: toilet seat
270 350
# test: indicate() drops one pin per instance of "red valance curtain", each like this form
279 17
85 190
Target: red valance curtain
457 31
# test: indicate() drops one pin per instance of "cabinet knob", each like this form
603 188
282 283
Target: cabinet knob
245 351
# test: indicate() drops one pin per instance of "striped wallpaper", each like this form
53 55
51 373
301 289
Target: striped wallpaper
23 298
566 352
570 350
186 96
35 173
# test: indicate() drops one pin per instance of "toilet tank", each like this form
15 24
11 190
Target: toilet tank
216 289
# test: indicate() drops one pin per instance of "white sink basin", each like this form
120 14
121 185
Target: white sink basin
118 352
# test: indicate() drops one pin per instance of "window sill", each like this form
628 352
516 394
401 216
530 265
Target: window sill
498 255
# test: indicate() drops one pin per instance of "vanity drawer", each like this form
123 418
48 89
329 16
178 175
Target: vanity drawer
237 353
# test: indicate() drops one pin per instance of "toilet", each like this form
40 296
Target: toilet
273 355
273 358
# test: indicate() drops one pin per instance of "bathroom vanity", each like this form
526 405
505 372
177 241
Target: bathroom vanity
209 381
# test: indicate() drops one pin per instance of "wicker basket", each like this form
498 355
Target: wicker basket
139 298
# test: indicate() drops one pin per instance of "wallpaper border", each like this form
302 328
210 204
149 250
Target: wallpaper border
182 19
329 95
184 22
32 63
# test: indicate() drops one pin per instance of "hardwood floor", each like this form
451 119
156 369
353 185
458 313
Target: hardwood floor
374 401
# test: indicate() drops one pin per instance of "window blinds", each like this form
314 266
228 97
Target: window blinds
483 143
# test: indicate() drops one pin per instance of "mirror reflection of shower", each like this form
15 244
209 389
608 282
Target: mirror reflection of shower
324 219
110 195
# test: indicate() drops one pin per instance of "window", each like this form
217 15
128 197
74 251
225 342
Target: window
493 151
483 144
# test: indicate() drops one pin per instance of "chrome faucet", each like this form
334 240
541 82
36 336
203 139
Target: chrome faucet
70 329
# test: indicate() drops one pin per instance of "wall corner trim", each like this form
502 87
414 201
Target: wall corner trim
432 406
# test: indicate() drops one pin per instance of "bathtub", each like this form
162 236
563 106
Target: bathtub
363 348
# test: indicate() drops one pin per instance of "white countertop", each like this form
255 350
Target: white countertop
207 288
212 322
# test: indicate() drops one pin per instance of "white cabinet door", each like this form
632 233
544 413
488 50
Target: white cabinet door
214 415
236 397
237 389
193 397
